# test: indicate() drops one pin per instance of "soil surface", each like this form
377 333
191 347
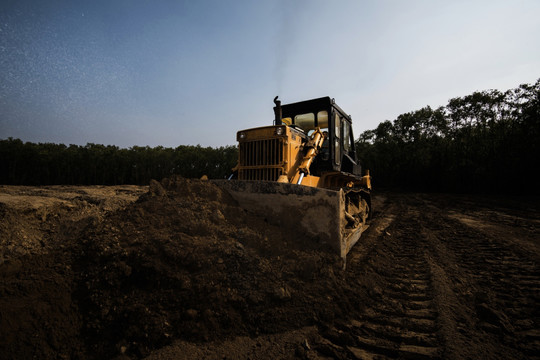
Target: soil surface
177 270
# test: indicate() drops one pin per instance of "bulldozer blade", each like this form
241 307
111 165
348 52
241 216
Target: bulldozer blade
317 213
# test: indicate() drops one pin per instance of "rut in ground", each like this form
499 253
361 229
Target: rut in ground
402 320
502 278
440 287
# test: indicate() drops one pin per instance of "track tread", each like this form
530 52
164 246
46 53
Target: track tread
408 329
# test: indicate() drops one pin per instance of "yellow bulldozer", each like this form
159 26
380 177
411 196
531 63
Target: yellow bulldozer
303 172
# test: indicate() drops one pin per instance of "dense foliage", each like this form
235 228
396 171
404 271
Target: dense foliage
45 164
484 142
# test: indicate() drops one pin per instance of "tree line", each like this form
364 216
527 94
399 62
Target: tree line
485 142
26 163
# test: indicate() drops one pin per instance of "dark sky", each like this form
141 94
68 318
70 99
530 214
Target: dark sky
194 72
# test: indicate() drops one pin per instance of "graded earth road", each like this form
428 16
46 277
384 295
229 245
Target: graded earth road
177 271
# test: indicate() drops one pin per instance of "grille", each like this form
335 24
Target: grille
261 159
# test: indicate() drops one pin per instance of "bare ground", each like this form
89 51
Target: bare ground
178 271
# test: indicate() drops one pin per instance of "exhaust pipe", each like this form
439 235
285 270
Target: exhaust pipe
277 111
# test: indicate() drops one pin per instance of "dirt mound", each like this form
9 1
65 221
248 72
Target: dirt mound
185 262
39 232
181 262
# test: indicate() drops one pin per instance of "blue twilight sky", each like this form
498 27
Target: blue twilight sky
149 72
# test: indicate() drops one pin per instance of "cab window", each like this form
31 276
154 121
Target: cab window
322 119
346 136
322 122
305 121
337 136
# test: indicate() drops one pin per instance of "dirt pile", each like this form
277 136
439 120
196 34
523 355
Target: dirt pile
39 232
185 262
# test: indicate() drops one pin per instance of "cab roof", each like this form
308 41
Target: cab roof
313 105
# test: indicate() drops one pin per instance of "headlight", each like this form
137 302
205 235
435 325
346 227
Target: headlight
241 135
280 131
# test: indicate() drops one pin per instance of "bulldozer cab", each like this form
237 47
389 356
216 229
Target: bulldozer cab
337 152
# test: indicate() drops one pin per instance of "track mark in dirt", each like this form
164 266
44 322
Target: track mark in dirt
508 295
495 273
401 320
376 229
525 236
